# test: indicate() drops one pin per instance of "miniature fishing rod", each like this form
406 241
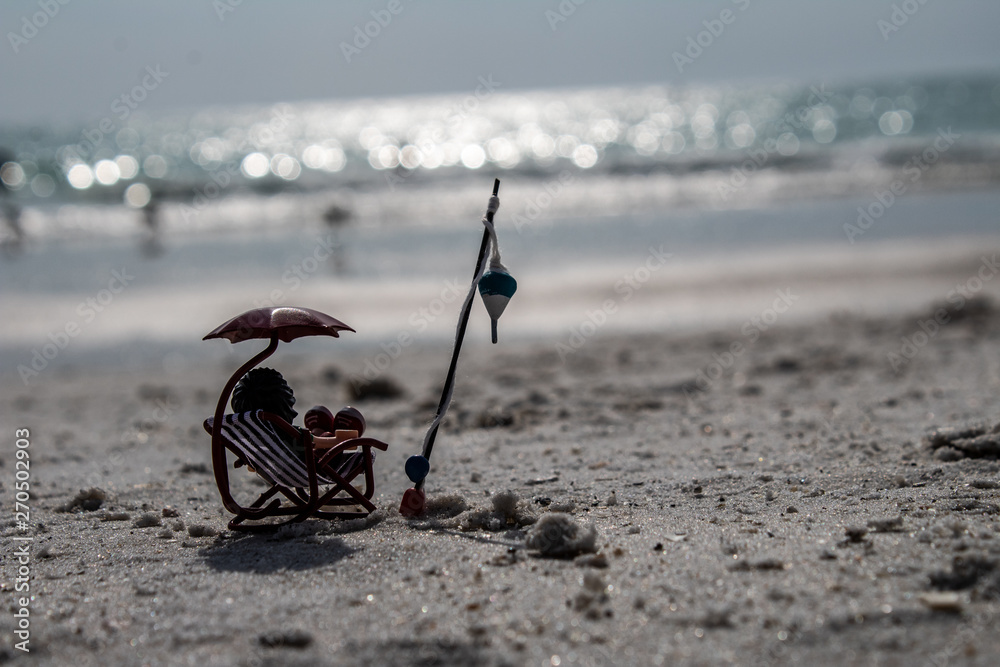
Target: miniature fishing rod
496 286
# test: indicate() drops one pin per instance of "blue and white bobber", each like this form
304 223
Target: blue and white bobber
496 287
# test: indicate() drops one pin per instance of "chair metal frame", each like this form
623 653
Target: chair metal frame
305 502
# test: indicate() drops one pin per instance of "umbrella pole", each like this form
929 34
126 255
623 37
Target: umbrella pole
449 381
219 463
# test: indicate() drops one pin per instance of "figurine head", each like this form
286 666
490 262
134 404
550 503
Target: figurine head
350 419
264 389
319 418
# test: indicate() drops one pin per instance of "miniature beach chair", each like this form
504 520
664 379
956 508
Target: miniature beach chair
321 487
319 484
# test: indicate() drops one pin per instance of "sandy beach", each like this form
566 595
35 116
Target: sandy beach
745 404
759 495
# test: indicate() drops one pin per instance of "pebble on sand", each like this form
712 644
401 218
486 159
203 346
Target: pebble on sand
947 602
890 525
201 530
508 512
290 639
378 389
598 560
147 520
89 500
558 535
593 599
505 503
855 534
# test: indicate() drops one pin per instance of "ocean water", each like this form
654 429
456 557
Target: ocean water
370 208
430 160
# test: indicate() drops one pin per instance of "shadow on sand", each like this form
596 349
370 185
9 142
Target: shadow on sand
423 652
266 554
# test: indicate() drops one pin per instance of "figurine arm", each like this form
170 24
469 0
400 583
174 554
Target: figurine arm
328 441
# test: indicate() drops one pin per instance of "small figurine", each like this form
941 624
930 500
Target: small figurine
266 389
321 422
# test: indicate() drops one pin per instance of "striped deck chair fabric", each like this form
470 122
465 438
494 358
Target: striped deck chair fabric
262 446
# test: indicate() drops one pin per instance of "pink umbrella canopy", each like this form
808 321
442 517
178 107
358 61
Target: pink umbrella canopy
285 322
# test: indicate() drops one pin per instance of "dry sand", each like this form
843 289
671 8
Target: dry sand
795 512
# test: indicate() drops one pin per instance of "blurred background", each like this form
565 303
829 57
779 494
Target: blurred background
166 166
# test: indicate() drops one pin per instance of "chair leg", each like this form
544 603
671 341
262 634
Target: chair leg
234 524
304 505
349 489
300 511
264 496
